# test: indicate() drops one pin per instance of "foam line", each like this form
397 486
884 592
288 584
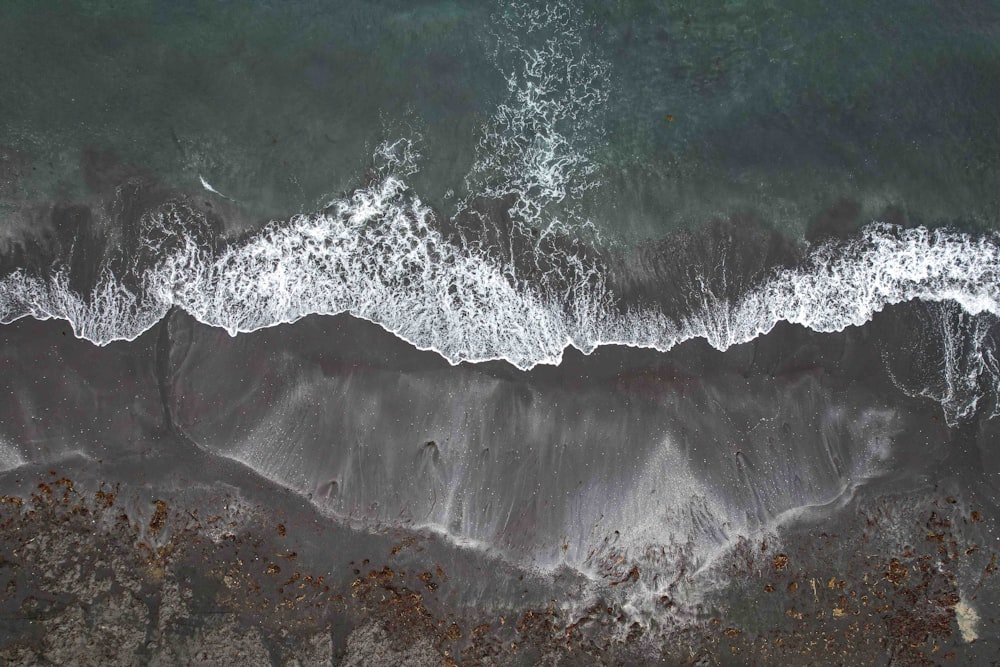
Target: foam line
377 256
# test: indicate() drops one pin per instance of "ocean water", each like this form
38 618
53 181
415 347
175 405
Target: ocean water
608 288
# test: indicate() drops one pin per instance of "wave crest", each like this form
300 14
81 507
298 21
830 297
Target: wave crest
379 255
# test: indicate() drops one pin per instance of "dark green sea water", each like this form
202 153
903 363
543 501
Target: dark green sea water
777 109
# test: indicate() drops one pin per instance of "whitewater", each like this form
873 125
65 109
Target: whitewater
378 255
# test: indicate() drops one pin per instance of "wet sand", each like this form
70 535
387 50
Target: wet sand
778 499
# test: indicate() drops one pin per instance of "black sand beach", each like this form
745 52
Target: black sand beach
852 552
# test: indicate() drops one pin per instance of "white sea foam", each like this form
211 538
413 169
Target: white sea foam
959 357
528 149
208 186
377 255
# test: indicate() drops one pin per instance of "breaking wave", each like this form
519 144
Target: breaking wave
379 255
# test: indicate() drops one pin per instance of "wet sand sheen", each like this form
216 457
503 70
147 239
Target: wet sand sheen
627 466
